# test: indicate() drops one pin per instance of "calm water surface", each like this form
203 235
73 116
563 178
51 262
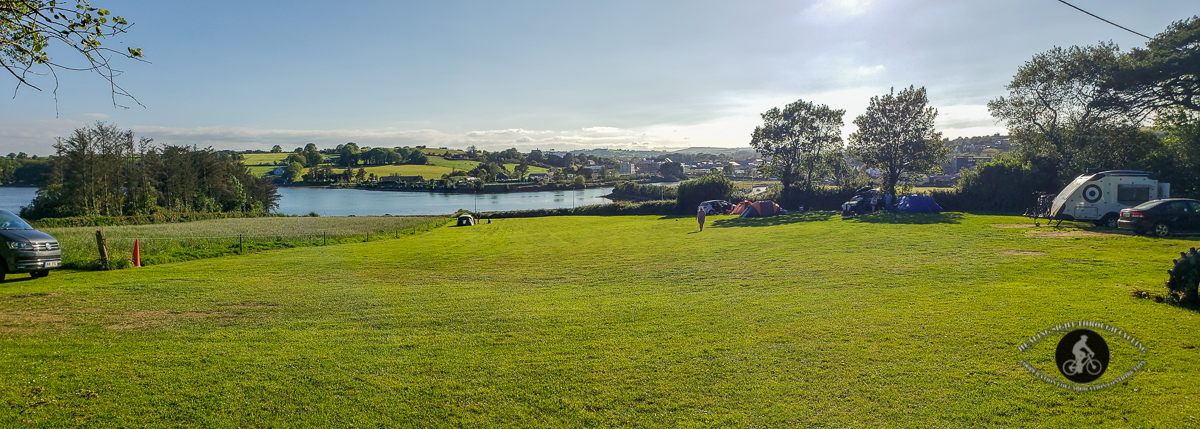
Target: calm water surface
12 199
343 202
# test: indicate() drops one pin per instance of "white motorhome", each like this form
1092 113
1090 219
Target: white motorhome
1100 197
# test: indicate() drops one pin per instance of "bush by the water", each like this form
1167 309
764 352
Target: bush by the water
712 187
638 192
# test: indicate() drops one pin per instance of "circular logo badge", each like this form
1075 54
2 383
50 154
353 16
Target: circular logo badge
1092 193
1081 356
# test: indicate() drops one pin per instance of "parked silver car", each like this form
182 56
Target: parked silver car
24 249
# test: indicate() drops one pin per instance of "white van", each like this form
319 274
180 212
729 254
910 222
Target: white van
1100 197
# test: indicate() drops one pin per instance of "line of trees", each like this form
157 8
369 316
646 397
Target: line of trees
802 144
102 170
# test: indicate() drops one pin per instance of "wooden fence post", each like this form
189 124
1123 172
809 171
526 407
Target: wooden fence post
241 250
102 245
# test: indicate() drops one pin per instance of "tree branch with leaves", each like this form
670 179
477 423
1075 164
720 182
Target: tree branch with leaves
30 29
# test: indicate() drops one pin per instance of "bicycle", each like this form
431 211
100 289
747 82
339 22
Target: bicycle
1092 366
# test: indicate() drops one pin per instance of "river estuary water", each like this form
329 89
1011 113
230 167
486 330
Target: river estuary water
345 202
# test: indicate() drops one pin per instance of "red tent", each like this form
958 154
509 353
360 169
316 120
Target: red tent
761 209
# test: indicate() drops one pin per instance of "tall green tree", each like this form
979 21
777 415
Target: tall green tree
1166 73
1051 114
30 28
896 135
795 140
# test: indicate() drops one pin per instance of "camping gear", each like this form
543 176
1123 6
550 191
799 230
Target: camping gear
466 220
918 204
739 208
762 209
1100 196
862 202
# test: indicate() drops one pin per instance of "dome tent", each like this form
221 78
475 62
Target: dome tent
918 204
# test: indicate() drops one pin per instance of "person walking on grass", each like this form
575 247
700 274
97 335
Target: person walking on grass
700 217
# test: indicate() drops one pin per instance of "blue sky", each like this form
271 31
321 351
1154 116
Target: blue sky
550 75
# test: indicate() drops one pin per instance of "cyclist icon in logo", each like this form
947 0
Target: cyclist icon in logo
1083 360
1082 356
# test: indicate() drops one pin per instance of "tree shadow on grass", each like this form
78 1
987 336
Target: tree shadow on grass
794 217
909 218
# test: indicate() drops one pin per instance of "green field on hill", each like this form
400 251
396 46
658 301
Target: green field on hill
639 321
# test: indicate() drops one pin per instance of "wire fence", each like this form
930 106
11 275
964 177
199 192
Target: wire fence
163 243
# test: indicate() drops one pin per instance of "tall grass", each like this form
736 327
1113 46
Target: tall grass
163 243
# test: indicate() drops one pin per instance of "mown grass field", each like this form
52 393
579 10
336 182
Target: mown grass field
794 321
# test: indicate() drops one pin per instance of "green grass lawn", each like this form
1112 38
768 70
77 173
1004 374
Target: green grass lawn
801 320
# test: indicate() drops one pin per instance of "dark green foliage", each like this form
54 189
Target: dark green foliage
796 141
896 134
712 187
671 171
638 192
1005 184
98 171
1178 161
1185 277
1166 73
23 171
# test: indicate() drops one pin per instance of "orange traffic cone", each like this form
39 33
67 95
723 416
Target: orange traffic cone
137 254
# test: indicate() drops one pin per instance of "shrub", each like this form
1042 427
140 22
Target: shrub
631 191
712 187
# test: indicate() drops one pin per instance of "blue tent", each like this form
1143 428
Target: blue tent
918 204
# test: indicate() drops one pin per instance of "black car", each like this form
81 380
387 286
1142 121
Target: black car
1162 217
24 249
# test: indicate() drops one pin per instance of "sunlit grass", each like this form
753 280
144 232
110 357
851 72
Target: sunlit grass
795 321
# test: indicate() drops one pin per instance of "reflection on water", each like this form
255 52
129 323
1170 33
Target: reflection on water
343 202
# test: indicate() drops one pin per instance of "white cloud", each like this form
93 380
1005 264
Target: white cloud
838 9
96 115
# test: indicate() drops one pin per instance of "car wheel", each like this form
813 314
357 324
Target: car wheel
1109 221
1162 230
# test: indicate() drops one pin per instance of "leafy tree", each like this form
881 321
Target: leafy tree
690 193
293 171
727 169
360 175
348 154
416 157
521 169
896 136
312 156
795 140
29 27
276 149
578 183
1051 114
1164 74
1178 163
672 170
100 170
